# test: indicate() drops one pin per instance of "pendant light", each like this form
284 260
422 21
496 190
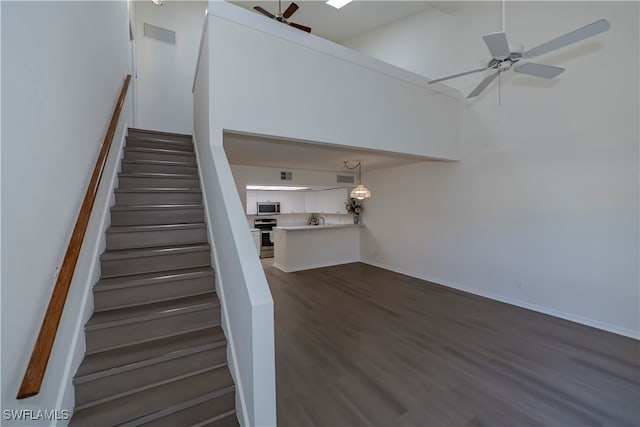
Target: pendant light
360 192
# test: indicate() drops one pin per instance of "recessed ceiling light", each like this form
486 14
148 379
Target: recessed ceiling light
275 187
338 3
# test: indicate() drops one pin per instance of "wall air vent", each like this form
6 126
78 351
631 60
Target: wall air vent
286 176
345 179
158 33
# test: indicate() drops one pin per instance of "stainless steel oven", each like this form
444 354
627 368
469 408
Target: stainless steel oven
268 208
266 235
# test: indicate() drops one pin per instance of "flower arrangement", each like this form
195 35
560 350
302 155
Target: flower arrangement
353 206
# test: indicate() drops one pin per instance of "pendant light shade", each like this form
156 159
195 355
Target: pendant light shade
360 192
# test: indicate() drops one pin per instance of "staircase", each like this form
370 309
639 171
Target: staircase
155 351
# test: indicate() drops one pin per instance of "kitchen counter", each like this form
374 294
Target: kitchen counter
316 227
303 247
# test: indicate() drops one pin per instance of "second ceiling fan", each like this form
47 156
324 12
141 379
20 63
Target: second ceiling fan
505 56
284 16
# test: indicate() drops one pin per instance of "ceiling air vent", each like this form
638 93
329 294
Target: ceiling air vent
345 179
286 176
159 33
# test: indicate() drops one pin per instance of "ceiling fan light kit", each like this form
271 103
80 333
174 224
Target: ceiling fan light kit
505 56
284 16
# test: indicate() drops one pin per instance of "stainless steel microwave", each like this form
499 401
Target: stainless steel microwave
268 208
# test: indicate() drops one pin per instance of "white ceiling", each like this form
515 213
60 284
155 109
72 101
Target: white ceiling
353 19
278 153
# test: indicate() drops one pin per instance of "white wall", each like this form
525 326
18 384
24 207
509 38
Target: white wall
247 316
270 79
546 194
63 68
165 72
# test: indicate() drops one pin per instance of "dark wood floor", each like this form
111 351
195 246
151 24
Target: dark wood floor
358 345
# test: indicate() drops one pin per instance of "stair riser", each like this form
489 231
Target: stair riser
146 168
121 267
198 413
162 145
158 198
151 293
145 239
144 134
152 217
119 335
148 182
136 378
160 156
126 408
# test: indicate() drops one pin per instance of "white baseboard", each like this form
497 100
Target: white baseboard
630 333
312 266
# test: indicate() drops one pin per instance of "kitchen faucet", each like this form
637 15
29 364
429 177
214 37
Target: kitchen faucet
321 218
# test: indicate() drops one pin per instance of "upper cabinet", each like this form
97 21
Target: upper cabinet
292 202
321 201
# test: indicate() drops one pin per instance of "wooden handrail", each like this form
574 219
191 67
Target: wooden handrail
32 380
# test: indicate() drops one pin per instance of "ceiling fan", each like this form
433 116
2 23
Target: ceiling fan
284 17
505 56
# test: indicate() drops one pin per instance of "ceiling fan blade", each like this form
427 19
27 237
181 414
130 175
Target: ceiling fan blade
290 10
574 36
300 27
538 70
264 12
456 75
483 84
498 45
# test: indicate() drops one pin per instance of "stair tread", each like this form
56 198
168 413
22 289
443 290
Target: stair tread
160 151
160 139
158 190
115 229
157 175
159 162
108 284
157 250
154 397
160 417
159 207
114 362
176 306
157 132
217 418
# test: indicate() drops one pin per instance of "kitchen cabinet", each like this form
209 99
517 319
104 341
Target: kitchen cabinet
252 202
321 201
292 202
327 201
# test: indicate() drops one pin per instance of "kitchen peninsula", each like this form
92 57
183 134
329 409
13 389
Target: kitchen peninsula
303 247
